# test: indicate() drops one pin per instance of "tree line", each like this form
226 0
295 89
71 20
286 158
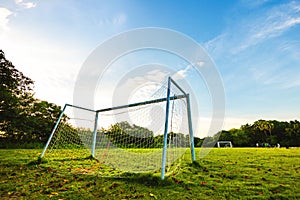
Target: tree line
261 132
124 135
25 119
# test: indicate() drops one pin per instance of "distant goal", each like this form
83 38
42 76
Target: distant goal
224 144
138 137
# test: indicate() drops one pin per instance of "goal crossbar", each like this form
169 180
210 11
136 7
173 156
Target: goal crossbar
132 104
141 103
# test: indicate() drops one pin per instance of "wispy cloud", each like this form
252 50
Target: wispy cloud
256 28
152 76
117 20
277 21
253 3
25 5
259 49
278 66
4 14
182 74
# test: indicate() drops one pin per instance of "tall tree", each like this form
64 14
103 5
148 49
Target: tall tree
15 95
265 127
23 118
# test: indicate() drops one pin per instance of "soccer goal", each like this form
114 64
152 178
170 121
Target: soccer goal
138 137
224 144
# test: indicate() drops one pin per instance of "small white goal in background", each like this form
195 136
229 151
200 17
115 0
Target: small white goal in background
224 144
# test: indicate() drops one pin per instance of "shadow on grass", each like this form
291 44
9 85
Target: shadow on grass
152 179
196 166
42 160
147 179
75 159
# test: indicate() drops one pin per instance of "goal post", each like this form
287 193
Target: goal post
163 165
61 117
94 136
137 137
189 116
190 127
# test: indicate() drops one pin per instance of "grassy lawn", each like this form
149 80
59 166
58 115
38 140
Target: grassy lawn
231 173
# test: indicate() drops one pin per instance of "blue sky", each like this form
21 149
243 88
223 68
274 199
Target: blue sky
255 45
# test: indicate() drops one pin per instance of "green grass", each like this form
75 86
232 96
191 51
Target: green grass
232 173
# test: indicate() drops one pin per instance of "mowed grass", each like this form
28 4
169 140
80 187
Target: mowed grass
231 173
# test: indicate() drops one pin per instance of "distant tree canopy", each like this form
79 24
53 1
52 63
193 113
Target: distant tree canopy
132 136
264 131
23 118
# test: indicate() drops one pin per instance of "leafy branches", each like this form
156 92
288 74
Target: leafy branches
23 118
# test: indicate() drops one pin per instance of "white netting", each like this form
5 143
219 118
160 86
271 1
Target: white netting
74 131
129 139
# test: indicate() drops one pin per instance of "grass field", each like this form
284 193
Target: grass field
231 173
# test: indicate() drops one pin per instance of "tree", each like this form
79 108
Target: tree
15 95
123 134
226 135
292 134
41 118
23 118
135 130
240 138
198 141
264 127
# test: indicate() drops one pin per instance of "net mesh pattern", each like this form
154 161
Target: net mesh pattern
129 139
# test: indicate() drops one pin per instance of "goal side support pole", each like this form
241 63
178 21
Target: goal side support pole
192 146
190 124
53 131
164 154
94 135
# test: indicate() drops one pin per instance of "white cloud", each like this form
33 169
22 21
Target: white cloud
182 74
150 81
276 23
116 20
254 3
156 75
119 19
53 68
236 122
289 23
4 14
25 5
291 83
256 28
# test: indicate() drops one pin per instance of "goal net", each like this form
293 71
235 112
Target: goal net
139 137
